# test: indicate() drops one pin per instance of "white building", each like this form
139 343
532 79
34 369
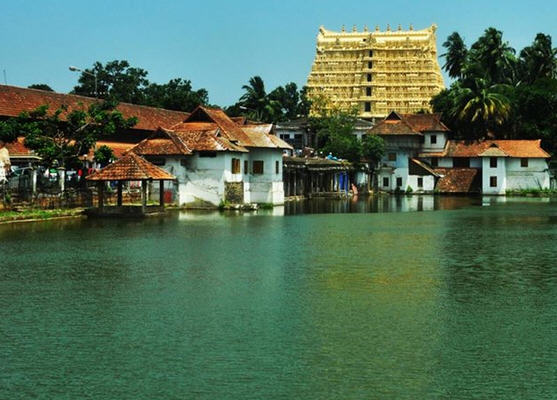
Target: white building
218 160
420 157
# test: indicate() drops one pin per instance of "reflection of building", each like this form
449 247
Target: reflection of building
218 160
419 156
376 71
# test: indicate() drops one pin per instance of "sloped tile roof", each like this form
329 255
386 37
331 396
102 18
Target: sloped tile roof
512 148
458 180
425 122
394 124
131 167
228 128
261 136
15 100
17 148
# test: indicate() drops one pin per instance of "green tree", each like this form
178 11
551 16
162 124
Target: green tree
494 57
482 107
539 60
257 104
177 95
116 80
288 98
103 155
373 148
41 86
60 137
456 55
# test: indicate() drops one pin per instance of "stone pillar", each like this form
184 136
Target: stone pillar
143 196
294 192
119 200
62 178
34 182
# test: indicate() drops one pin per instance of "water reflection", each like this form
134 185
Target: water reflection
380 204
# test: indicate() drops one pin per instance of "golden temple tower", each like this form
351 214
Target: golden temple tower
376 72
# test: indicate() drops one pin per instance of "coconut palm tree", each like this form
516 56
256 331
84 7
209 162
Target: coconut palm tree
257 103
495 57
538 60
481 107
456 55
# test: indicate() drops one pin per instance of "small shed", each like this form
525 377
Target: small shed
131 167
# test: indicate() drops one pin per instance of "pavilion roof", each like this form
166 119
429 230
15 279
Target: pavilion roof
131 167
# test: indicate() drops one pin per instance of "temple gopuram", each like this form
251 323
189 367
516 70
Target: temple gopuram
376 72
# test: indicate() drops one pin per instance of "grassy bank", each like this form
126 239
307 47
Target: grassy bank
37 214
533 192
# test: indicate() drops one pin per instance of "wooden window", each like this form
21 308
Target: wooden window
493 181
524 162
277 167
258 167
420 182
235 165
493 162
385 182
434 162
367 106
392 156
246 167
433 139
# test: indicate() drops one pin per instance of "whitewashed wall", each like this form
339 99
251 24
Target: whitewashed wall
439 146
428 183
499 172
535 176
267 187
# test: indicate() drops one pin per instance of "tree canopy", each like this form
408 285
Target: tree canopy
41 86
496 93
118 81
61 136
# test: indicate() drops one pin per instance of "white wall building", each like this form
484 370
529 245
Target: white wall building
420 157
217 160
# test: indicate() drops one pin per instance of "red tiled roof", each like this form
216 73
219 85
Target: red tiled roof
17 148
457 180
131 167
393 127
425 122
261 136
15 100
118 148
512 148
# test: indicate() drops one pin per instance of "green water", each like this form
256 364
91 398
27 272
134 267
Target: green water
367 302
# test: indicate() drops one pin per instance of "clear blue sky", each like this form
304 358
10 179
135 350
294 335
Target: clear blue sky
219 45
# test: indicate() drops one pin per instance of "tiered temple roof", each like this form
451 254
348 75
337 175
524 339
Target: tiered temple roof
376 71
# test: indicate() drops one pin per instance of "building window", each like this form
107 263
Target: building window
258 167
369 77
368 91
493 162
371 53
461 162
434 162
246 167
367 106
420 182
369 65
433 139
391 156
398 182
277 167
524 162
493 181
385 182
235 165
